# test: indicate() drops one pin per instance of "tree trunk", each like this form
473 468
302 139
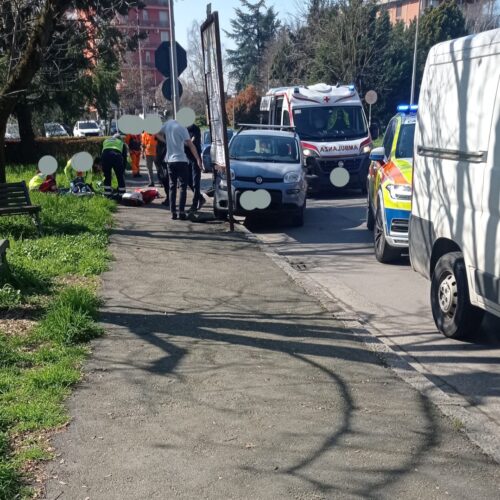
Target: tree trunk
29 63
24 118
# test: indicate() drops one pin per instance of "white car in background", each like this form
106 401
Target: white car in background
87 128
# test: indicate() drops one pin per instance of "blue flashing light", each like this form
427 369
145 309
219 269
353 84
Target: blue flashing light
405 108
351 87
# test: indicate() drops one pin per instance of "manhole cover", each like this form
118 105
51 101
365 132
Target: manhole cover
299 266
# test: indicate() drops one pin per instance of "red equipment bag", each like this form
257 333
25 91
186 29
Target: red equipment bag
148 195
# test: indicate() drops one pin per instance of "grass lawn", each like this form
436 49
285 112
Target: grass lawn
48 311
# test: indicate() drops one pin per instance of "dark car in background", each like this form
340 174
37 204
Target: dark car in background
206 147
54 129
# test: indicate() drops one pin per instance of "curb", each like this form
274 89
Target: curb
466 418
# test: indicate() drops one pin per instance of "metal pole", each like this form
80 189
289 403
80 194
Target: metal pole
370 115
140 64
415 49
173 59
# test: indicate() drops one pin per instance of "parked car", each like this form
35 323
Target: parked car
268 161
455 218
54 129
87 128
206 149
389 186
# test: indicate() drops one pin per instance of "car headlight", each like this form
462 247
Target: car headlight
224 177
310 153
292 177
366 149
399 192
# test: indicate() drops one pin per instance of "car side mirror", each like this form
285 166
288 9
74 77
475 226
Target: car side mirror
377 154
374 132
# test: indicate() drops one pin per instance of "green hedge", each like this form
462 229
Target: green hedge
61 148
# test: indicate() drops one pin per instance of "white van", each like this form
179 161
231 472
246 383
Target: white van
455 221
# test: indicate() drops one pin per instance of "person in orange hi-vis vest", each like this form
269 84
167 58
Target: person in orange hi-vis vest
134 146
149 144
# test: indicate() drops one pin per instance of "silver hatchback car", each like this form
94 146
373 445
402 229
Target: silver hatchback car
267 175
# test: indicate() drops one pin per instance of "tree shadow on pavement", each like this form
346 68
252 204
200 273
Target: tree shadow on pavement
299 336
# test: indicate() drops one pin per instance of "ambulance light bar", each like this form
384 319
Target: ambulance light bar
404 108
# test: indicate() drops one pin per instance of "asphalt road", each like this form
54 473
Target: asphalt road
336 250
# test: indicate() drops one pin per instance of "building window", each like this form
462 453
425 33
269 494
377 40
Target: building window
164 36
163 18
399 11
145 15
148 57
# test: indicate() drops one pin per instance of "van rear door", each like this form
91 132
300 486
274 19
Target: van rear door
487 276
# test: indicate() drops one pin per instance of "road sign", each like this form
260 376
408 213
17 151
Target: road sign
371 97
162 59
166 89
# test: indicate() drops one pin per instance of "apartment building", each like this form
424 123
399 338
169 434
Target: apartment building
154 21
479 14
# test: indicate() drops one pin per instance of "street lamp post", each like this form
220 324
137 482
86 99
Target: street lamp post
415 50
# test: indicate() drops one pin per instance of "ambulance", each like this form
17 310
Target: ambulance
332 127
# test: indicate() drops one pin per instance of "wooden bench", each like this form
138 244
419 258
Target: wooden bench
15 200
4 244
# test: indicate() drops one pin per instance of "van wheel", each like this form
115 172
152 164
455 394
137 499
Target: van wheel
370 219
383 251
219 214
454 315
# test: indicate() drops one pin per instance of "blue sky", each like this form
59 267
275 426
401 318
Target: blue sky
186 11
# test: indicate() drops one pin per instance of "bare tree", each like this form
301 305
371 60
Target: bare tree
481 15
32 37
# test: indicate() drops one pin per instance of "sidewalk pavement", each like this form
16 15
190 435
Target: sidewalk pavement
220 378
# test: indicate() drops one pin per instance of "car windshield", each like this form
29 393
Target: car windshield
330 123
207 139
404 147
264 148
87 125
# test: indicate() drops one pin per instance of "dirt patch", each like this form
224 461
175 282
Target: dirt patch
75 280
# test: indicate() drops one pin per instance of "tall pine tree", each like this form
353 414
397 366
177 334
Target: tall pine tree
252 30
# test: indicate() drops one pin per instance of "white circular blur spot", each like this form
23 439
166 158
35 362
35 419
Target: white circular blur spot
47 165
152 124
250 200
339 177
262 198
82 162
186 116
130 124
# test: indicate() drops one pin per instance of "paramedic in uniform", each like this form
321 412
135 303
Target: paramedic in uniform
114 157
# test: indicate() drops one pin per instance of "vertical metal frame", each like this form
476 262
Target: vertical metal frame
212 23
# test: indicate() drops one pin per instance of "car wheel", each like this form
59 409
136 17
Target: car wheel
454 315
383 251
370 219
298 219
219 214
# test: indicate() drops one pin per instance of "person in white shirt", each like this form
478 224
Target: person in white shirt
177 138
